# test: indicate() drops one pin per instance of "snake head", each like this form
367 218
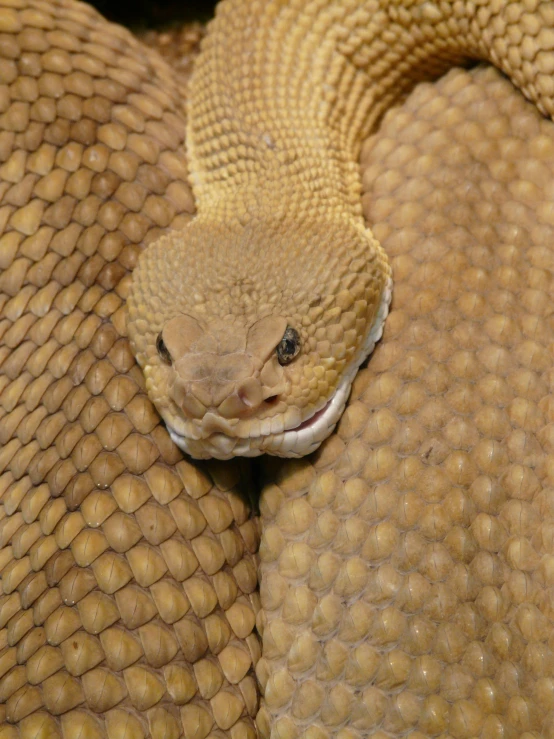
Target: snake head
244 353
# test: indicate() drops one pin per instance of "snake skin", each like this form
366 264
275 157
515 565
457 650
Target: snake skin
407 573
407 568
273 142
128 575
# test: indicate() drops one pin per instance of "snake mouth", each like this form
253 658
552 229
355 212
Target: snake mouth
314 418
293 442
308 435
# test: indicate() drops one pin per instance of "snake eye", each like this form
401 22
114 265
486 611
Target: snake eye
163 351
289 346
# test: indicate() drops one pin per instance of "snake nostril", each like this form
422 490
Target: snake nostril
272 399
250 393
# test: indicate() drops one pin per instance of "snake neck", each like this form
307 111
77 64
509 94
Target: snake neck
284 92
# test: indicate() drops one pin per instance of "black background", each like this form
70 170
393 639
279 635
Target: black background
142 14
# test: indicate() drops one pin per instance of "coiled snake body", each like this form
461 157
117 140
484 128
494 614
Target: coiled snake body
406 568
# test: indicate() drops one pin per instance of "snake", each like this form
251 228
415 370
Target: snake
203 267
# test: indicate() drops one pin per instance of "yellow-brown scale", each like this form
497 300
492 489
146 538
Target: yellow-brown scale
428 514
273 140
385 611
128 576
406 571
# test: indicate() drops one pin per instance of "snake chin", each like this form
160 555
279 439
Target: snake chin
304 437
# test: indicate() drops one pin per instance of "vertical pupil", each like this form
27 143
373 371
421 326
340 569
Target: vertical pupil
162 350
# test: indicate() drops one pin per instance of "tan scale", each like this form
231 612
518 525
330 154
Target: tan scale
433 496
278 254
406 568
94 608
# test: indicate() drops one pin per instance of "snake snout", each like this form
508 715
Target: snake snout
189 402
230 388
246 398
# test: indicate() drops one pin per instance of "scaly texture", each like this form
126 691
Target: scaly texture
128 581
416 545
279 239
407 571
